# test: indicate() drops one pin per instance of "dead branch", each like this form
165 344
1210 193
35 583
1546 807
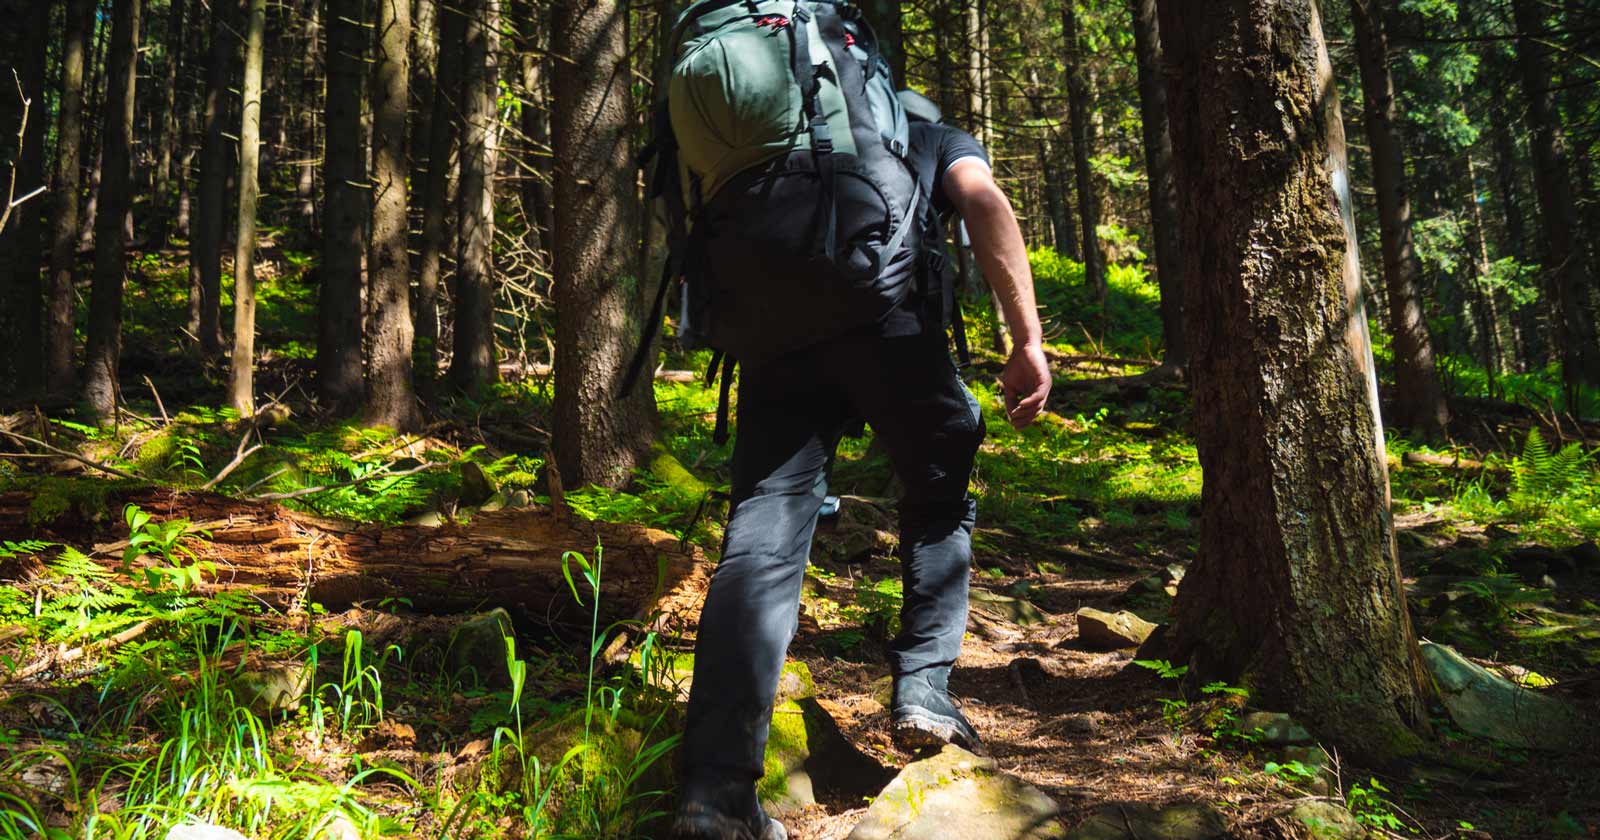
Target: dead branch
73 455
239 456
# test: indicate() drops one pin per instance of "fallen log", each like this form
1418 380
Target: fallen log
512 559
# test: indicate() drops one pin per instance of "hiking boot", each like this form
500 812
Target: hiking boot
924 717
724 812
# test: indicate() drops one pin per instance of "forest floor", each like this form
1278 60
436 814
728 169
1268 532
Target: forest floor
147 722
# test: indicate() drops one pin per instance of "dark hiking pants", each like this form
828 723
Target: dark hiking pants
791 415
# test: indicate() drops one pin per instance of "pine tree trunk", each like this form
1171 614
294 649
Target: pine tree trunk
21 282
535 133
165 123
1297 564
1419 402
104 350
1164 222
599 435
436 195
1079 105
96 105
1566 272
1055 196
339 386
241 382
975 83
205 270
473 365
390 399
310 93
59 328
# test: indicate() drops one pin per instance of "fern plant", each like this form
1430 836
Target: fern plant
1541 476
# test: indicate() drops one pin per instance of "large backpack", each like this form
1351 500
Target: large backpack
780 158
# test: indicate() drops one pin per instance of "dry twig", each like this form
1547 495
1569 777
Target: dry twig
73 455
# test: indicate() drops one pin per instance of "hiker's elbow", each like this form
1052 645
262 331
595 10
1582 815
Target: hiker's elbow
975 194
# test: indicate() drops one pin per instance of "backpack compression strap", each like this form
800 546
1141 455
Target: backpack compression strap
807 76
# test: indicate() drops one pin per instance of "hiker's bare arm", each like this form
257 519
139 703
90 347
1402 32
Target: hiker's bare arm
998 245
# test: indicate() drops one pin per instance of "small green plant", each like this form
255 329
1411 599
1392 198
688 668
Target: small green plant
1370 805
1541 476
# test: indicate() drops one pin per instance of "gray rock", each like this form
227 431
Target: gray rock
1328 821
477 650
1100 630
956 795
426 519
807 754
1491 706
203 831
518 499
1006 608
1275 729
476 486
272 688
1138 821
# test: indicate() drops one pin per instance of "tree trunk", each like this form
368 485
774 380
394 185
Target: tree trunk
600 437
339 386
436 195
510 559
165 123
1164 222
975 68
21 286
104 349
205 270
473 364
390 398
535 173
60 335
887 22
1296 591
1078 107
241 382
310 92
1566 272
1062 237
1419 402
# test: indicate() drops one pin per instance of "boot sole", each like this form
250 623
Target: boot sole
917 729
718 827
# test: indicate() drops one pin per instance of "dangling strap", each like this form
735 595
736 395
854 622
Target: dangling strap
652 327
958 329
809 77
720 435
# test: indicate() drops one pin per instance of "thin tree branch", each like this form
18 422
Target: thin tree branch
73 455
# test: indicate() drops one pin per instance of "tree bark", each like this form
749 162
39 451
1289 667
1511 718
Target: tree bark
599 437
442 133
1079 105
1296 591
1419 401
390 398
21 280
60 334
1164 222
205 270
473 363
310 92
339 386
510 559
535 173
241 381
1055 195
104 350
1566 272
165 122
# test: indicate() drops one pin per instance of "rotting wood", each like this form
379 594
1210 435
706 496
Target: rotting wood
510 559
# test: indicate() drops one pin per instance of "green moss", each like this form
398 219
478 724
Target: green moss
54 498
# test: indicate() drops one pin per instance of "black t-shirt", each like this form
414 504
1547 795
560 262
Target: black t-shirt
943 145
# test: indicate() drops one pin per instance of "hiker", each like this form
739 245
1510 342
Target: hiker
805 200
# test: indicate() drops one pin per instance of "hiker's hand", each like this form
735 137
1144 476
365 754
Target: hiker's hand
1025 383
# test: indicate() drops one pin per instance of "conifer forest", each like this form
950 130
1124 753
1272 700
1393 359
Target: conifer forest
326 509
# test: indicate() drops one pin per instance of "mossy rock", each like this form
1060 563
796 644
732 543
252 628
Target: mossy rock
807 755
956 795
478 649
1101 630
1138 821
1490 706
273 688
1004 607
1328 821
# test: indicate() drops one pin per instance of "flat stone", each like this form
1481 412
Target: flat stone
1328 821
1101 630
477 648
1585 555
1491 706
1138 821
476 485
272 688
1006 608
1275 729
956 795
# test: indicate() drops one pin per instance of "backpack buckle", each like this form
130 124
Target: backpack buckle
821 137
937 262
